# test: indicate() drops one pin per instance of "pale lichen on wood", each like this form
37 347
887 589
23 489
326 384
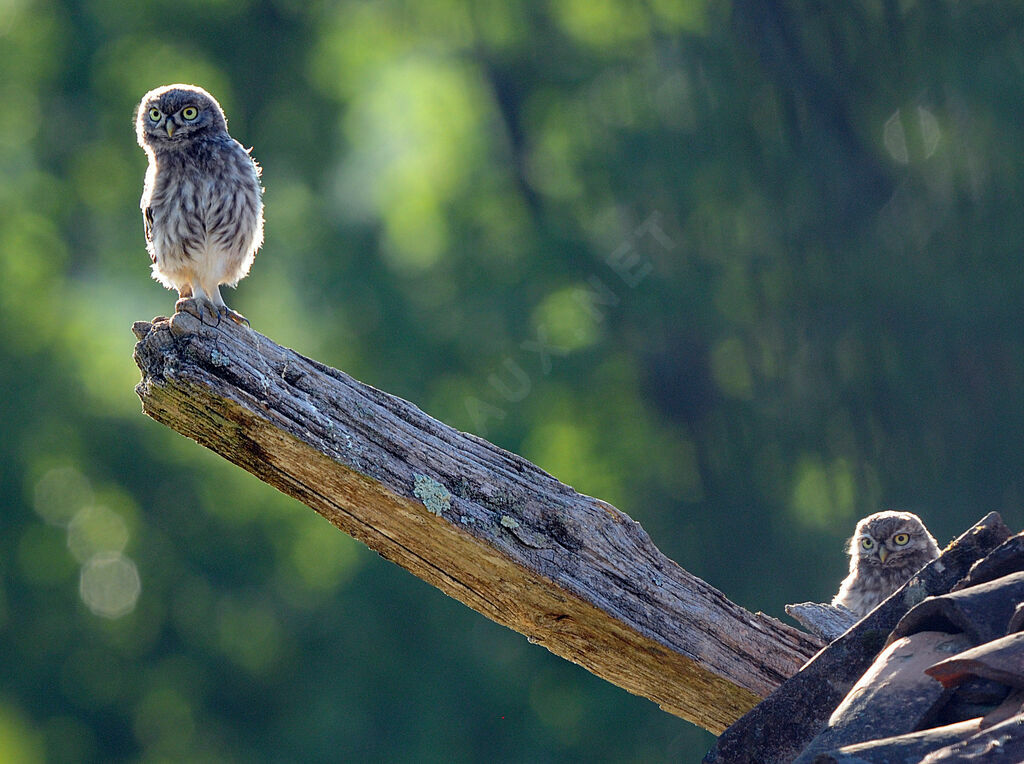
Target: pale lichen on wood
435 497
485 526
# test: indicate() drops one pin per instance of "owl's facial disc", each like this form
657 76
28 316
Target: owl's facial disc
189 115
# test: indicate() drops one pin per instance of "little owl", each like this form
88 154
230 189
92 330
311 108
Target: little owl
886 550
201 203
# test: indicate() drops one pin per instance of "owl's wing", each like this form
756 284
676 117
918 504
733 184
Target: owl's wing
147 218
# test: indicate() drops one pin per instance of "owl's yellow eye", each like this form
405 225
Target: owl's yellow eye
867 543
901 538
190 112
154 114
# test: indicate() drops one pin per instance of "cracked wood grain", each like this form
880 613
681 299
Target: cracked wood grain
485 526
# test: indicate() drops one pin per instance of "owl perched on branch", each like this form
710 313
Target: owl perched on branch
201 203
886 550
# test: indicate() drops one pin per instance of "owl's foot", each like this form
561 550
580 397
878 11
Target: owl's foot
223 311
209 312
201 308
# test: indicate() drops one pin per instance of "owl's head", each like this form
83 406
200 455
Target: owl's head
174 115
894 540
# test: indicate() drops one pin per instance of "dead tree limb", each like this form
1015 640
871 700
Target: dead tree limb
483 525
827 621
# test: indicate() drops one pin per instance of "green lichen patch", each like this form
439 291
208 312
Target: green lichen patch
509 522
435 497
218 358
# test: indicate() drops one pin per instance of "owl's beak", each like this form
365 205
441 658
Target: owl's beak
882 554
169 127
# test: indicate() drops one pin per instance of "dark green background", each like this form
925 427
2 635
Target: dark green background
822 318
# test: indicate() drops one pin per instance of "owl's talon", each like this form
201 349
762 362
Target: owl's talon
209 307
223 311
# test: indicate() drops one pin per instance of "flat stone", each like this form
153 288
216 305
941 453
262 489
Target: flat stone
893 697
1010 707
982 612
973 698
903 748
1007 558
1001 660
1003 742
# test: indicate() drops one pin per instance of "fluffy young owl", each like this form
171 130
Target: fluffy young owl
202 203
886 550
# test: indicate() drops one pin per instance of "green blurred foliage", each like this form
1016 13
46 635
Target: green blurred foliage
749 271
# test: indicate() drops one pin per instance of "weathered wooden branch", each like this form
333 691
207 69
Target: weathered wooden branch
485 526
827 621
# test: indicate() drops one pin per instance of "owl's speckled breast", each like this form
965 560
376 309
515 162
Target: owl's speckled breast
205 210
